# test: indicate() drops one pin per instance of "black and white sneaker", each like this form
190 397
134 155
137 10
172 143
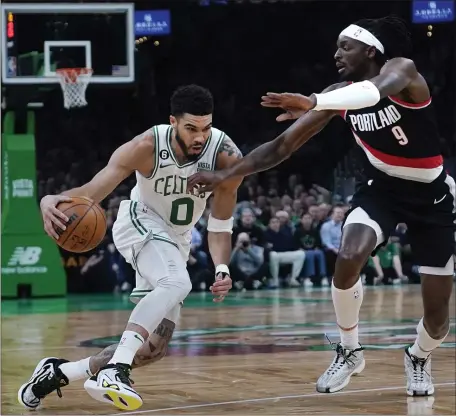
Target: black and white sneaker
112 384
46 378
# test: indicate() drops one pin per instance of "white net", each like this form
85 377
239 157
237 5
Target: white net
74 82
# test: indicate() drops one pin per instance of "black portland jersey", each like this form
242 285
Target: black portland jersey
399 139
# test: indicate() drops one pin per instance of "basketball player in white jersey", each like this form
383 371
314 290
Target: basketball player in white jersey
152 232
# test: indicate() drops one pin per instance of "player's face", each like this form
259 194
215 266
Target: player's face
193 131
352 59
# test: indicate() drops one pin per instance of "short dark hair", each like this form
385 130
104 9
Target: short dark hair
392 31
192 99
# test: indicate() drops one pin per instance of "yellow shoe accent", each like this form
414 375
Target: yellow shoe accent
123 401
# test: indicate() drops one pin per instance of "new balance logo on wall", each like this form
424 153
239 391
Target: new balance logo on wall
25 256
24 260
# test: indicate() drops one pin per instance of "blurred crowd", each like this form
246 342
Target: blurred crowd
288 221
287 238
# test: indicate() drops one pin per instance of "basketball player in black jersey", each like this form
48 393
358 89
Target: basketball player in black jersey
387 105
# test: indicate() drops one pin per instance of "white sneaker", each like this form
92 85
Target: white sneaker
293 282
112 385
256 284
418 373
46 378
345 364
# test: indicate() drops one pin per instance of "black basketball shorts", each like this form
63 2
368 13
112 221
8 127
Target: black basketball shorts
428 210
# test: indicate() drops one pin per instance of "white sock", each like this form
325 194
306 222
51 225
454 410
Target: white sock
424 344
129 344
77 370
347 304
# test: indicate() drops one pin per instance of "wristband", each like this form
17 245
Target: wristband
222 268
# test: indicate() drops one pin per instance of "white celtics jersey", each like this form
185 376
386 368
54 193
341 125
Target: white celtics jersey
165 191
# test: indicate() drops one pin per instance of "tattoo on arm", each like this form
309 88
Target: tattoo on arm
230 148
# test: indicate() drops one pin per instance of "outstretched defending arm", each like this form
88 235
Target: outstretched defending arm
136 154
220 224
269 154
396 75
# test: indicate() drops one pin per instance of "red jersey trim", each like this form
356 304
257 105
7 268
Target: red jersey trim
419 163
414 106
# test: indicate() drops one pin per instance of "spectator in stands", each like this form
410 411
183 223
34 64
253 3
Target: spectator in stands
331 233
247 263
263 210
119 267
195 248
324 211
314 211
308 238
285 224
400 239
297 212
283 251
197 263
385 267
246 225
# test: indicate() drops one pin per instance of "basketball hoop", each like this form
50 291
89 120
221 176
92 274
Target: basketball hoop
74 82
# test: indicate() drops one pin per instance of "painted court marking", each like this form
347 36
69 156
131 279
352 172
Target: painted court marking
266 399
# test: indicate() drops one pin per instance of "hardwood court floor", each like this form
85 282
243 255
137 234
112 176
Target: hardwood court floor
258 353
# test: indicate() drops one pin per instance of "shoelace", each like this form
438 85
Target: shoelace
419 368
47 386
342 353
123 374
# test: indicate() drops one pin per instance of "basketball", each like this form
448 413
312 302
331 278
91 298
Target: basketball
86 225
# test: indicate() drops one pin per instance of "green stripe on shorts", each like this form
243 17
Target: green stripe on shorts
134 219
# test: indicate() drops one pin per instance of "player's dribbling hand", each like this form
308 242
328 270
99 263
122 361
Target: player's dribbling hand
295 105
51 215
222 284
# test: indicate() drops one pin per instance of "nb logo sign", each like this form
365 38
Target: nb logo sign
25 256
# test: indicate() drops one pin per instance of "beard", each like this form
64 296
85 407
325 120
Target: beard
180 142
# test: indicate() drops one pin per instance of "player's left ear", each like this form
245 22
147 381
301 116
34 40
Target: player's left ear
371 52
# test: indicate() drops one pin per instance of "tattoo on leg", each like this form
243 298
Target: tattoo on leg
164 330
155 348
152 350
102 358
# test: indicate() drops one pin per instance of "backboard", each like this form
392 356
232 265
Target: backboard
40 38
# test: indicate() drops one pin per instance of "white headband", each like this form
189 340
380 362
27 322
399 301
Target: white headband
363 35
